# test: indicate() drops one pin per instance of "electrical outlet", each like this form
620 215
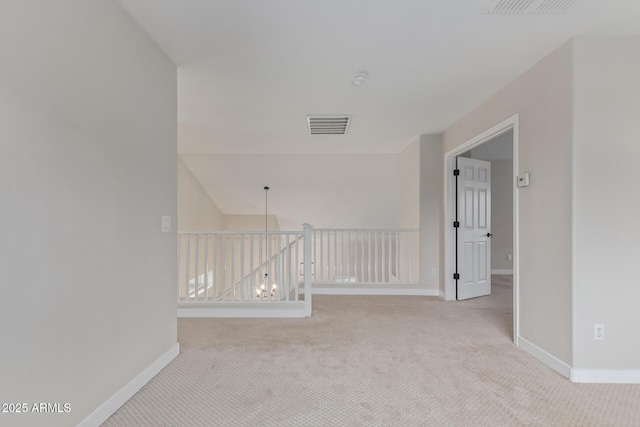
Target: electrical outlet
598 332
434 272
509 257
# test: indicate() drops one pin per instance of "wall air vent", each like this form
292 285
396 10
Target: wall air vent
328 125
530 7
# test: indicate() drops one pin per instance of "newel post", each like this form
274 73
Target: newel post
308 229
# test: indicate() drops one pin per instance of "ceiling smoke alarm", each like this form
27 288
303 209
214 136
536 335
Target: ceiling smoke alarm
360 78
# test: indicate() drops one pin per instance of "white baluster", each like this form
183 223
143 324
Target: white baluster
297 263
206 267
186 270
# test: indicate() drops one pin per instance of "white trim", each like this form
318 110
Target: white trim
605 376
449 216
516 228
502 272
370 289
574 293
114 403
449 209
272 310
400 230
551 361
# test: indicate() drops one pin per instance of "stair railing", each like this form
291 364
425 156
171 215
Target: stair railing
227 266
257 273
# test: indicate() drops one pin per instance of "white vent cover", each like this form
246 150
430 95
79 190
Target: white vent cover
531 7
328 125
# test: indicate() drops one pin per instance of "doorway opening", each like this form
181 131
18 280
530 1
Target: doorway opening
499 146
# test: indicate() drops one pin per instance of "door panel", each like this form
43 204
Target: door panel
468 254
469 217
482 261
482 209
474 213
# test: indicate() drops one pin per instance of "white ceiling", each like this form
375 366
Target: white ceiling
250 71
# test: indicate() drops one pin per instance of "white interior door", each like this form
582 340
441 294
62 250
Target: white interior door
474 234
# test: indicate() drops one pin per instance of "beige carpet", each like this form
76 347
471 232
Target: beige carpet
370 361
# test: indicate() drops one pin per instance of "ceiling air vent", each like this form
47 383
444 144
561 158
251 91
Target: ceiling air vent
328 125
553 7
531 7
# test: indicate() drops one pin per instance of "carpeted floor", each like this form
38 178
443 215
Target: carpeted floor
370 361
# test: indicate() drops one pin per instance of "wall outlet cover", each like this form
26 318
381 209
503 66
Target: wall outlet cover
598 332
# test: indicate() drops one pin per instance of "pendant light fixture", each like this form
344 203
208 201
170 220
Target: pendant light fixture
268 286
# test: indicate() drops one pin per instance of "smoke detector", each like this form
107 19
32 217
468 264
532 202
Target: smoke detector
359 78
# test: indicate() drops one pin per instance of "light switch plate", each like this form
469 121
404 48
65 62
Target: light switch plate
523 179
166 224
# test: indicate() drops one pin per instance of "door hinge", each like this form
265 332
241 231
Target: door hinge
456 172
456 224
456 276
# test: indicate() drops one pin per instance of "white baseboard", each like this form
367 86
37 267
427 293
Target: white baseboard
594 376
371 289
109 407
510 272
551 361
605 376
271 310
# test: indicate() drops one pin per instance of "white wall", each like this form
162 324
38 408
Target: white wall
408 169
196 211
542 97
252 223
431 210
501 214
88 166
324 190
606 201
499 148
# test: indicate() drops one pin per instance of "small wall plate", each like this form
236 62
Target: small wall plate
523 179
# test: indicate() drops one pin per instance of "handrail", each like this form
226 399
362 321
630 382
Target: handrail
255 233
399 230
237 264
261 266
224 266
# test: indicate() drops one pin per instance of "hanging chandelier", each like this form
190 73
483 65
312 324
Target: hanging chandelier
268 287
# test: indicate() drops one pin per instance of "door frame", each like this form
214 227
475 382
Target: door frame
450 207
